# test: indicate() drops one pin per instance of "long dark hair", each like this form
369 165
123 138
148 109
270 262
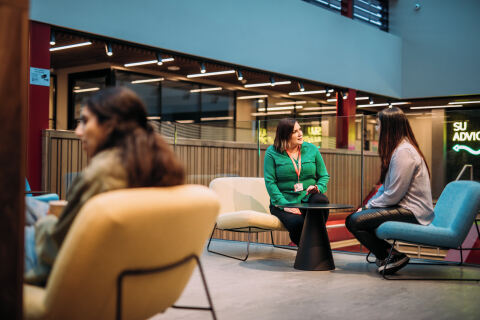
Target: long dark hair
394 127
283 134
147 158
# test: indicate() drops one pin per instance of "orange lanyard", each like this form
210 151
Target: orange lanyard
299 168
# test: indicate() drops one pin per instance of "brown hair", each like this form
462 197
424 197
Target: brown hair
147 158
394 127
283 134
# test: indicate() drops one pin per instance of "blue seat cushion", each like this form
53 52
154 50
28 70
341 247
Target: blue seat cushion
416 233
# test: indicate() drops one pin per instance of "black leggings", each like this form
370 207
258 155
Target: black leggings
294 222
363 224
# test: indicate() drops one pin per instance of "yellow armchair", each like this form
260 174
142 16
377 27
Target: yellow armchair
129 254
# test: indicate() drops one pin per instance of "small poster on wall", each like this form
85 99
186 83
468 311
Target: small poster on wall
40 77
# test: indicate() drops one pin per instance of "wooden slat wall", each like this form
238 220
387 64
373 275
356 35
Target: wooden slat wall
206 160
63 157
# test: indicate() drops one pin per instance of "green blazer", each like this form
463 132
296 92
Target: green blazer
280 175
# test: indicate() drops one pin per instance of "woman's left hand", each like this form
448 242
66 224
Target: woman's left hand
312 189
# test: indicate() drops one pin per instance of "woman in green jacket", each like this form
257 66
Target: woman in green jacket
294 172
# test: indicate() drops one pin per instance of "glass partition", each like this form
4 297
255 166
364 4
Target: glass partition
449 140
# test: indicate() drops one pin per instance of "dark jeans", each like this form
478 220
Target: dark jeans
294 222
363 224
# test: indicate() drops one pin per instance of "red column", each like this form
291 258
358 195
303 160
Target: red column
347 8
346 109
38 101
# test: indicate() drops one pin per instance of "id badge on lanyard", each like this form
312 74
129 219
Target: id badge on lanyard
297 187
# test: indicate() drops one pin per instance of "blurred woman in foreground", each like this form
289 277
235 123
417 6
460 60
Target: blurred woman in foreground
124 152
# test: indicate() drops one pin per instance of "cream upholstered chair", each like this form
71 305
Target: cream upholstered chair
129 254
244 207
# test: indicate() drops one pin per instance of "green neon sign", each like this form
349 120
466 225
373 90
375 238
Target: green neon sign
459 147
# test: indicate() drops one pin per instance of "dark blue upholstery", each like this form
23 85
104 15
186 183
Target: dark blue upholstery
455 213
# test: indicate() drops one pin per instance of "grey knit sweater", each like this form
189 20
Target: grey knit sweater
407 184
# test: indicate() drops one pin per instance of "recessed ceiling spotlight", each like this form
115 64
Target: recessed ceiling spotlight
239 75
52 38
173 68
108 49
301 87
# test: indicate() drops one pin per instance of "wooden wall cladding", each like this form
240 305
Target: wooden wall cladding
207 160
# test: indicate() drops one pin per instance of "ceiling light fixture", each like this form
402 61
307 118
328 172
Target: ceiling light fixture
464 102
216 73
185 121
437 107
215 118
272 81
75 45
280 108
320 108
154 117
159 59
362 98
52 38
289 102
259 114
239 75
206 89
297 93
373 105
332 100
202 68
345 94
316 113
328 91
399 103
301 87
86 90
258 96
265 84
148 80
370 100
140 63
108 49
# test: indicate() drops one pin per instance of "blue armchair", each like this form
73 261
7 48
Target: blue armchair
42 197
455 213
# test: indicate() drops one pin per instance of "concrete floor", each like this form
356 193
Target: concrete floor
267 287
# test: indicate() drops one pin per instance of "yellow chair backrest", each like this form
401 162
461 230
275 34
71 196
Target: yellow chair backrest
129 229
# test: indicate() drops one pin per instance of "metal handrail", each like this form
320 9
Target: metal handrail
463 170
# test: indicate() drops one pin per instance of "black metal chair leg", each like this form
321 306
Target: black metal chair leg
281 247
149 271
226 255
368 255
207 293
388 259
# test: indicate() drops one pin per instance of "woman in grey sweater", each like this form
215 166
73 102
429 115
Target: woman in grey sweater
405 194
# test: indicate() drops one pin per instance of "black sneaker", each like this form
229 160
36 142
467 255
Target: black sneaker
379 262
396 263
